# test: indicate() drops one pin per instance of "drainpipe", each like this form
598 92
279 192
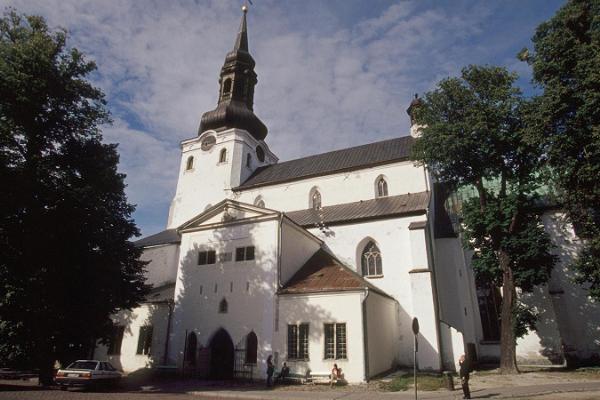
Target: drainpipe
166 355
365 334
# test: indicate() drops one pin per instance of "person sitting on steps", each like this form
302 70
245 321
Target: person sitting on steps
335 375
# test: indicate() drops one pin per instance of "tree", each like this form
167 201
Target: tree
566 64
472 136
66 262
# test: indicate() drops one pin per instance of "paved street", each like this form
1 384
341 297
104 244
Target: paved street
587 390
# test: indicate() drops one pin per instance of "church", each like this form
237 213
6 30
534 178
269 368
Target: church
321 260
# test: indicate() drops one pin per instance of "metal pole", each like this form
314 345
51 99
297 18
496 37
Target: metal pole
415 366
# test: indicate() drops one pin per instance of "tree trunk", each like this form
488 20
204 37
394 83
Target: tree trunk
508 358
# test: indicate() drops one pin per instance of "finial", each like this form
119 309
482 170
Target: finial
245 8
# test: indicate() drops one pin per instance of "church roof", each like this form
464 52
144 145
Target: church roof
352 158
168 236
382 207
324 273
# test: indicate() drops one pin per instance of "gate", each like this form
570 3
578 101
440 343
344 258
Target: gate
241 370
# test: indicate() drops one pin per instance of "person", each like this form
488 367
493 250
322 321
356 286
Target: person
285 372
335 373
270 370
465 369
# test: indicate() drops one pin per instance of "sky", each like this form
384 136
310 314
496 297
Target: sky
331 74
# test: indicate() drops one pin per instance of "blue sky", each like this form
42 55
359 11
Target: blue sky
332 74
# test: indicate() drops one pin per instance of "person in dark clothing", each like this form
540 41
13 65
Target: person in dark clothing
270 370
465 370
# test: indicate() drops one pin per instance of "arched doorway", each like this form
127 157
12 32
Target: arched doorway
190 349
221 355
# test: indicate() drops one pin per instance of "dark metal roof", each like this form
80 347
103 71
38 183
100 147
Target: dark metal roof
165 237
324 273
383 207
332 162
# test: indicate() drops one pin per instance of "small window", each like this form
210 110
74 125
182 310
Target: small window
223 306
371 260
382 187
248 160
244 253
259 202
189 164
116 339
227 86
260 154
298 342
335 341
223 156
251 348
207 257
225 257
315 200
145 340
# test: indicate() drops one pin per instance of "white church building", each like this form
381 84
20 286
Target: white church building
320 260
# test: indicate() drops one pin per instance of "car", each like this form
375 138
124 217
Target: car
87 373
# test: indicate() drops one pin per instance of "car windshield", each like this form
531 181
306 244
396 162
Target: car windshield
83 365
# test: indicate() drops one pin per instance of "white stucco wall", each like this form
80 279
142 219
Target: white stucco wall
428 356
248 287
386 348
162 266
318 309
297 246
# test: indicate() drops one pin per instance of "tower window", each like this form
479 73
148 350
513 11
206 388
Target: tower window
227 86
248 160
190 163
223 156
315 199
371 260
223 306
381 187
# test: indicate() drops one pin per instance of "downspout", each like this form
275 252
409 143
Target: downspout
365 334
166 355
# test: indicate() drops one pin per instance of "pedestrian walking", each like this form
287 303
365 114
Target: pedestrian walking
270 371
465 370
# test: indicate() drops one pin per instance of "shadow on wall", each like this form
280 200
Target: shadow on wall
569 322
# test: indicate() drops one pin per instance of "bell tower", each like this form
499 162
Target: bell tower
230 143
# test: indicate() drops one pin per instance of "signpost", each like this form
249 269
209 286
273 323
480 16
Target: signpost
415 329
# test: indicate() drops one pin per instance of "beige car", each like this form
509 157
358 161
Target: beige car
87 373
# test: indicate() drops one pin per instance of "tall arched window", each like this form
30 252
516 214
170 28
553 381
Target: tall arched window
315 199
371 260
248 160
381 187
223 156
227 86
190 163
251 348
259 202
223 306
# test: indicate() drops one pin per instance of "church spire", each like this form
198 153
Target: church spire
236 94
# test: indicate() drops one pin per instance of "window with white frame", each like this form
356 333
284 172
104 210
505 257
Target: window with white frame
297 343
335 341
244 253
206 257
371 260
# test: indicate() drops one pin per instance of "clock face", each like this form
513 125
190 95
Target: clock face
260 154
208 142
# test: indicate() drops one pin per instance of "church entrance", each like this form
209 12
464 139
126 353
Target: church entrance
221 355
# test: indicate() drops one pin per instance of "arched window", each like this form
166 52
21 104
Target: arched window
223 306
190 163
251 348
227 86
223 156
315 199
259 202
371 260
248 160
381 189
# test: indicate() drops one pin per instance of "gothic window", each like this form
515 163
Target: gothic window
223 306
371 260
315 199
251 348
223 156
227 86
382 187
259 202
190 163
248 160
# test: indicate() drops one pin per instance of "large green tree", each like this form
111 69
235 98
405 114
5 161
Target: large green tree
472 136
566 64
66 261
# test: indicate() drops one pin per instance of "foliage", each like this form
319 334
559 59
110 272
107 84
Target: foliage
566 64
66 262
473 135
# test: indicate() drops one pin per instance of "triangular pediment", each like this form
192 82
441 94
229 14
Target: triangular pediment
227 212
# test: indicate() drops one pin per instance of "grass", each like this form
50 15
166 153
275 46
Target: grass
425 382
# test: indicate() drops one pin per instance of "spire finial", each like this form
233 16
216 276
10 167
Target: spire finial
241 42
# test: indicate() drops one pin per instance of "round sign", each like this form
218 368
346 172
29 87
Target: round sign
415 326
208 142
